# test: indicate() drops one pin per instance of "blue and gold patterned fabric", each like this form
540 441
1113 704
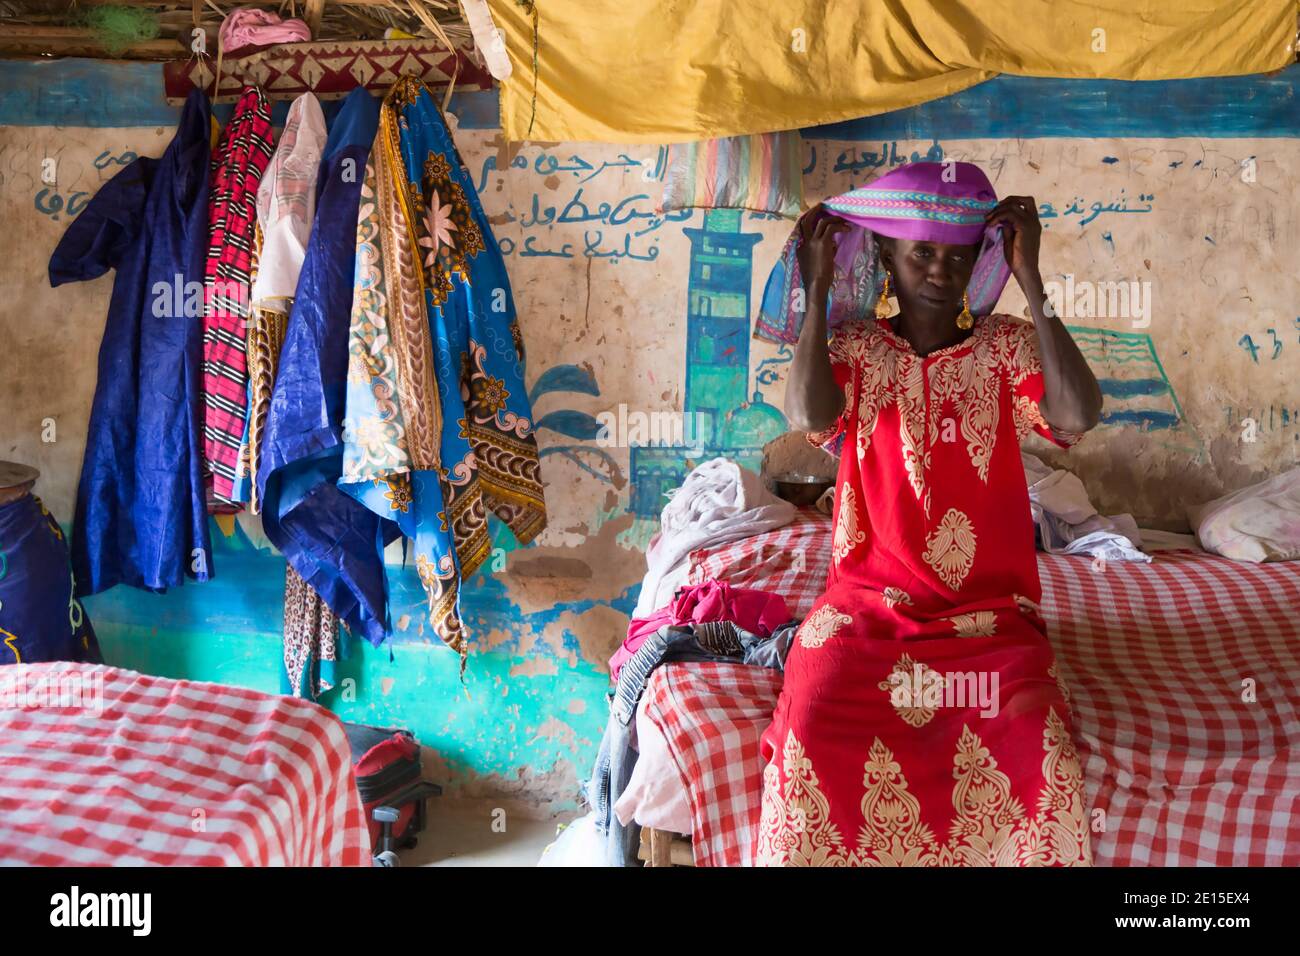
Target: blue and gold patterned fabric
438 430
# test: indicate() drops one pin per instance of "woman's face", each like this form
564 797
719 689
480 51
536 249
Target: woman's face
929 277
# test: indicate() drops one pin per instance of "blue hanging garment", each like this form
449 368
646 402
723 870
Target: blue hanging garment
141 515
333 541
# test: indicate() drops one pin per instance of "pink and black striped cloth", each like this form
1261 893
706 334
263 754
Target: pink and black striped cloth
238 162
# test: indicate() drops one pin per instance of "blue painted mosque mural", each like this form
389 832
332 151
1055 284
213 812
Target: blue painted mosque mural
728 417
724 412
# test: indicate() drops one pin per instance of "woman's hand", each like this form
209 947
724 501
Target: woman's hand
1019 214
813 399
818 243
1071 399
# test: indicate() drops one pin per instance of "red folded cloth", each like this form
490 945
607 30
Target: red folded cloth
759 612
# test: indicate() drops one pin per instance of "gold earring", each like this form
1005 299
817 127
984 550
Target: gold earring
882 304
965 320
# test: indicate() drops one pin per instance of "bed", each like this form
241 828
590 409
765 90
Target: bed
1183 677
105 766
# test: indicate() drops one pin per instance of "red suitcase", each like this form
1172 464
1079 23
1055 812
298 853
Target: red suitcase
386 764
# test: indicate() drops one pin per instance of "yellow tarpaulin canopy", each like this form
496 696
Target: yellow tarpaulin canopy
662 71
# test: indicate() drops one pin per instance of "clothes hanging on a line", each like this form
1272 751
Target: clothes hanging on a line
434 429
286 207
329 538
141 516
439 428
238 163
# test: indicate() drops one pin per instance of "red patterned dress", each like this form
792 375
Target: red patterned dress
922 721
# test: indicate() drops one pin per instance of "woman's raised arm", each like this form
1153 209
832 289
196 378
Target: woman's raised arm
1071 398
812 399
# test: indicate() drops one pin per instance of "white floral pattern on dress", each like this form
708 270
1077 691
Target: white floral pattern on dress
908 685
821 626
975 624
895 596
989 826
847 533
950 548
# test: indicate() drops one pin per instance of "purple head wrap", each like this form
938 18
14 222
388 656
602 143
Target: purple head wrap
933 202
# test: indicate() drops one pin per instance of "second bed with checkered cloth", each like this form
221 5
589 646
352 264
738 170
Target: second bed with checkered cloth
102 766
1182 679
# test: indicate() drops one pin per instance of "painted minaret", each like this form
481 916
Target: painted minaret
720 412
717 319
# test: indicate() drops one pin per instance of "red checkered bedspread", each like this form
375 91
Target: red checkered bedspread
792 561
100 766
1183 676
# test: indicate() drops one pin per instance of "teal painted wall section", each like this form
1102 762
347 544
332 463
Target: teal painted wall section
81 92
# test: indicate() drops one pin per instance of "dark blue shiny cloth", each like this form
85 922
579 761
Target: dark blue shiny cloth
40 618
141 515
333 541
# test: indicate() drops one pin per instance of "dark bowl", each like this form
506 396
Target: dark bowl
799 489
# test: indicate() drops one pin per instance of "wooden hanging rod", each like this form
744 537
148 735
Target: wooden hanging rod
47 33
177 5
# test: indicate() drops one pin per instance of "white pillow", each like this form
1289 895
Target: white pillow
1259 523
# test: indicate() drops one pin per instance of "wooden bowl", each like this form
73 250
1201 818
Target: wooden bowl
16 480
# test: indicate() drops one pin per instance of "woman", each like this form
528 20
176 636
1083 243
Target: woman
922 721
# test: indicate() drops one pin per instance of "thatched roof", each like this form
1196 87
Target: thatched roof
164 30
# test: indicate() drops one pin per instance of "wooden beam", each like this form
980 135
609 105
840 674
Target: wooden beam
24 31
660 848
88 46
38 39
312 15
11 51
